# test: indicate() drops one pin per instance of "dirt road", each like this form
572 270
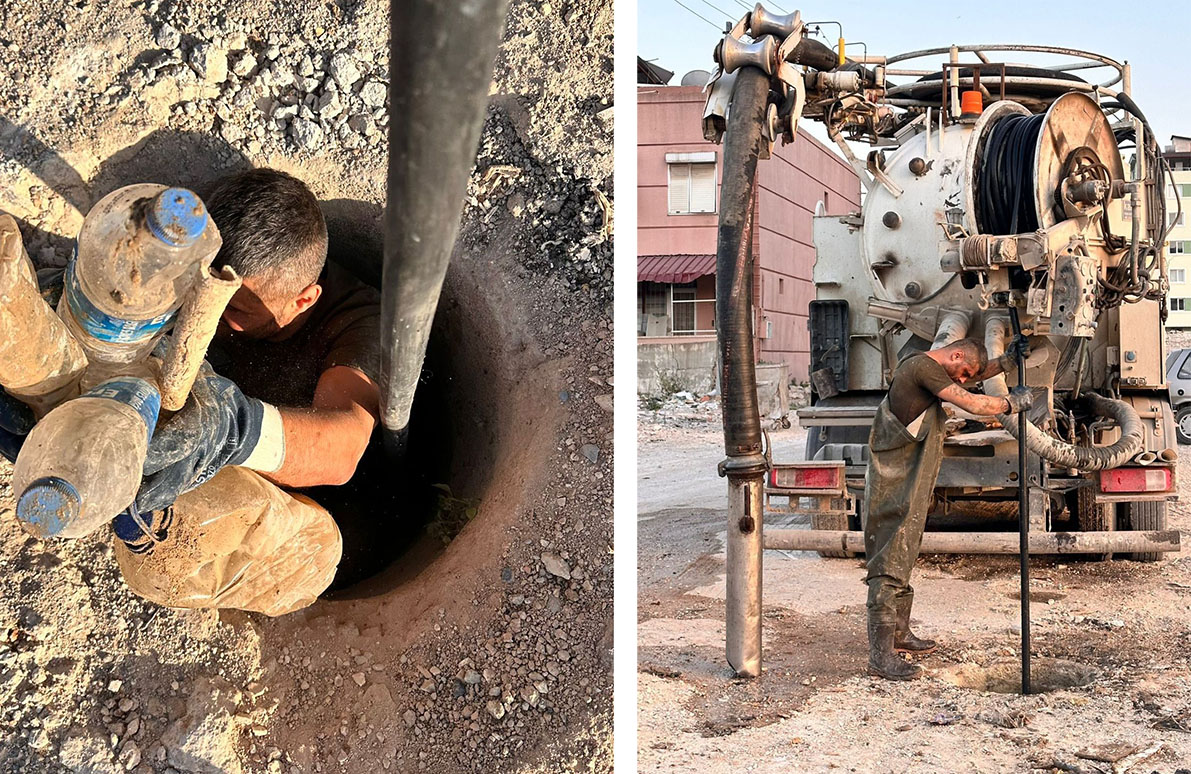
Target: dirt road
815 711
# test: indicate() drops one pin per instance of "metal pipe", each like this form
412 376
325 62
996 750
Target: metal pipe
1126 541
745 464
953 327
440 66
1023 514
911 55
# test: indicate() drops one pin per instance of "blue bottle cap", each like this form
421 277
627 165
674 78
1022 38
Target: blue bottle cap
48 505
177 217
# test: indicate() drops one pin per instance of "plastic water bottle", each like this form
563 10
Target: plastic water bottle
140 251
81 465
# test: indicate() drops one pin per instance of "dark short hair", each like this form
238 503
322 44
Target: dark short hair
272 229
974 352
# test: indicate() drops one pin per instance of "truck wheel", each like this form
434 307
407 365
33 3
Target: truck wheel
1093 517
832 521
1182 424
1146 516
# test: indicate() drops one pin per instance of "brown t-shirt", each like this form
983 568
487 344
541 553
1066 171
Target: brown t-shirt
917 381
343 329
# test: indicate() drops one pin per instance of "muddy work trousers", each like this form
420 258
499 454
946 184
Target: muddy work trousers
903 467
238 541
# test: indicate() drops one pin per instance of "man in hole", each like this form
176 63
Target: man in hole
224 516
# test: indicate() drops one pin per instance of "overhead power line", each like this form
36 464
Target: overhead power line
717 9
701 16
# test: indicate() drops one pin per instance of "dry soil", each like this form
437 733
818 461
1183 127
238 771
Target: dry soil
1124 624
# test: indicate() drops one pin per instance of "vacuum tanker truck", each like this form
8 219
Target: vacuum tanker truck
995 192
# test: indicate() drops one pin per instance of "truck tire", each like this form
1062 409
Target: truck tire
1182 424
1093 517
1146 516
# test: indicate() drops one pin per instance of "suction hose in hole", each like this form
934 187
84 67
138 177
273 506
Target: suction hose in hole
1048 447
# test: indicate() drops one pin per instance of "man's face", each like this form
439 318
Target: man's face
959 368
256 313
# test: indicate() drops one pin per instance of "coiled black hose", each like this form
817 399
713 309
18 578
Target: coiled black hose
1005 179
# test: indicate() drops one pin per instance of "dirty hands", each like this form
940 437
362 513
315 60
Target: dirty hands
217 426
1019 399
1020 346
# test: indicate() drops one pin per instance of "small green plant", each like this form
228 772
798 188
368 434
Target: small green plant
671 380
451 514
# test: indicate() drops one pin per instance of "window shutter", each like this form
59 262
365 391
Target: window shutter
702 187
680 188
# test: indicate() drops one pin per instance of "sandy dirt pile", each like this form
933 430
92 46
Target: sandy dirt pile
496 655
1121 624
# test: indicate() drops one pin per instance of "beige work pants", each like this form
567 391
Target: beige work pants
238 541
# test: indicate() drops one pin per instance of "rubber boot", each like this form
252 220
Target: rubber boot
904 640
883 660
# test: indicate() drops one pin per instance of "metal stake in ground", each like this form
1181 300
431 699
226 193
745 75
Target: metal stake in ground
745 464
1023 510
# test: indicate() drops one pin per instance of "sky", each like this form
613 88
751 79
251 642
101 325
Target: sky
1154 41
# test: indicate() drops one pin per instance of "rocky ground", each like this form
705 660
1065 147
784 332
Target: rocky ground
494 654
1119 628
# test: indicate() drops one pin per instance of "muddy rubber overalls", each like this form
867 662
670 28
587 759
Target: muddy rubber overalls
902 470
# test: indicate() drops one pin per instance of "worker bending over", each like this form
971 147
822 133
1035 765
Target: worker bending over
905 451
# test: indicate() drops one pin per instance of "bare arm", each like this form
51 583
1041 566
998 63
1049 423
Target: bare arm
324 443
981 405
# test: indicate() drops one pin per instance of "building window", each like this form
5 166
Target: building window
1177 247
1171 221
690 316
1178 304
1178 276
653 307
692 188
674 310
1185 188
781 286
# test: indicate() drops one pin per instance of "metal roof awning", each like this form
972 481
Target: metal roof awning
678 269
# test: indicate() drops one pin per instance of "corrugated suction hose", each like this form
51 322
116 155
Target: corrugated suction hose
1052 449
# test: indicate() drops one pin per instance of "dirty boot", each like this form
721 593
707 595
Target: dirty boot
904 640
883 660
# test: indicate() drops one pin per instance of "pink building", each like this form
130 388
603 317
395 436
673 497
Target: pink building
678 174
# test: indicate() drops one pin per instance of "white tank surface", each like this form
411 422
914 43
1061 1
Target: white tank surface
902 232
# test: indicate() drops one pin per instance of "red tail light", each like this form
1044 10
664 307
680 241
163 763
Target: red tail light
1136 480
793 477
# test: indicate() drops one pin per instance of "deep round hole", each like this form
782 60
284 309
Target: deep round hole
385 511
1046 675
